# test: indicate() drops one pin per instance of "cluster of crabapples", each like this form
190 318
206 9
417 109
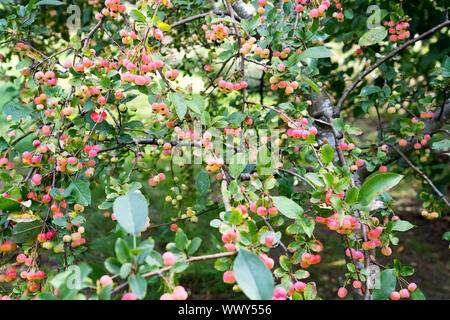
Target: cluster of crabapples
227 87
160 108
398 31
6 164
429 215
155 180
20 46
48 78
301 130
87 65
32 278
112 9
214 164
348 224
218 32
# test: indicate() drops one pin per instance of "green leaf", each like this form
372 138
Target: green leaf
253 276
197 104
137 15
352 196
316 52
17 112
49 3
368 90
287 207
238 164
441 145
125 270
312 84
401 225
105 293
179 267
138 286
178 101
264 162
26 231
326 154
122 250
7 204
131 211
225 19
417 295
181 239
193 245
377 184
285 263
80 190
315 179
446 236
202 182
387 282
373 36
112 265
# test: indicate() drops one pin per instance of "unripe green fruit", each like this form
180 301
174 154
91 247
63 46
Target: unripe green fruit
122 108
133 108
194 219
174 201
179 197
101 137
47 245
168 198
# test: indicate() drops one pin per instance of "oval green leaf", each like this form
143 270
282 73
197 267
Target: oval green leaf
253 276
131 211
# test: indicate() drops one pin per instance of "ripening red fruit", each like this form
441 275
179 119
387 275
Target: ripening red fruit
168 258
412 286
279 293
129 296
101 100
39 275
106 280
269 241
404 293
386 251
42 237
402 142
395 295
228 277
357 284
50 234
342 292
46 198
261 211
173 227
21 258
383 169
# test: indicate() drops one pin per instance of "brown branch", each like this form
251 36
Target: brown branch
385 58
423 175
